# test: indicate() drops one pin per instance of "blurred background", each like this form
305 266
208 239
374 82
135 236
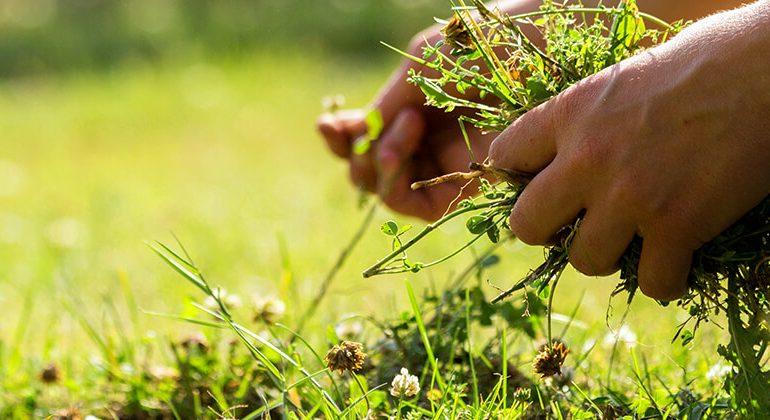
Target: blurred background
55 36
129 121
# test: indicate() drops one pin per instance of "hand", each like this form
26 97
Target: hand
672 145
418 142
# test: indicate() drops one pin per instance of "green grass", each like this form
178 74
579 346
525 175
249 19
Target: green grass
225 156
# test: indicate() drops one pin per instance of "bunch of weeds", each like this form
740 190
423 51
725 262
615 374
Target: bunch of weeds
485 54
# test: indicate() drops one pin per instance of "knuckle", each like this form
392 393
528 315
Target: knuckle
589 154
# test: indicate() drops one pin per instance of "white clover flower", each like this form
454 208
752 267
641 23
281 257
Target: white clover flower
718 371
231 301
348 330
269 309
623 335
404 385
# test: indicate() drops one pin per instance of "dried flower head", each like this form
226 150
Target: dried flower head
50 374
549 360
69 413
456 34
195 342
404 385
269 309
347 355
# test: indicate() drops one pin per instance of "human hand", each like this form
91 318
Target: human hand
418 142
671 145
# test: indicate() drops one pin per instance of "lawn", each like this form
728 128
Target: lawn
223 156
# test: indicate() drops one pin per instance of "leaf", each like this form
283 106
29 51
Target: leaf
477 224
493 233
389 228
538 89
489 261
404 229
374 123
687 337
374 126
750 386
362 145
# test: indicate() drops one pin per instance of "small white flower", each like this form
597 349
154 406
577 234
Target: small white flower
269 309
404 385
718 371
348 330
623 335
232 301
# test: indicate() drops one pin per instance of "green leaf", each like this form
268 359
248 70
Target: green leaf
389 228
477 224
404 229
493 233
362 145
687 337
489 261
374 126
374 123
538 89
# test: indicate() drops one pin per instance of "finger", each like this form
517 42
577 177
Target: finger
551 201
396 167
663 268
600 241
396 95
341 129
396 147
528 144
362 171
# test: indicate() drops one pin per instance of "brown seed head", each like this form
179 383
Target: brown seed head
50 374
347 355
549 360
456 34
195 342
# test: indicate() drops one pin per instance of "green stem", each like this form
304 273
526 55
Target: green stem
597 10
550 308
363 391
375 269
397 270
332 273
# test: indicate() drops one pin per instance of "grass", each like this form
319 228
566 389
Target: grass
224 155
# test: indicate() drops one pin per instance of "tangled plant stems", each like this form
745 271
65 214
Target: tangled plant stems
484 53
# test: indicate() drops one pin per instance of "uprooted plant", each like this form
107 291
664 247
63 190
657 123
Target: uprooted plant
485 54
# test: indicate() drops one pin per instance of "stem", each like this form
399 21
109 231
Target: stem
363 391
332 273
597 10
550 308
397 270
375 269
398 410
